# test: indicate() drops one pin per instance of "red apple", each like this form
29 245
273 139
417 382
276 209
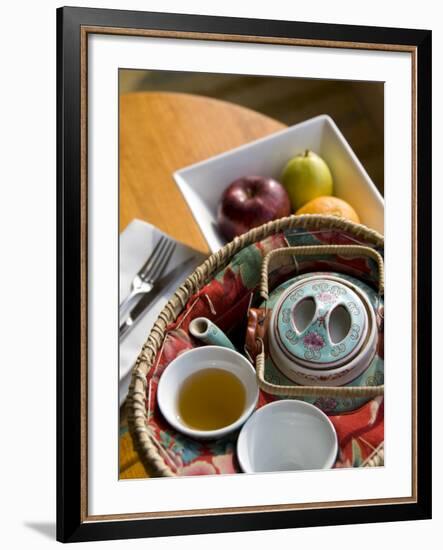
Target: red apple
251 201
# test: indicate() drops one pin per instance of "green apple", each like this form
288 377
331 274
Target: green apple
306 177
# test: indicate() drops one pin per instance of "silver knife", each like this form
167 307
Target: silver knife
140 307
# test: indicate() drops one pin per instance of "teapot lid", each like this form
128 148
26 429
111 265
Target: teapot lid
320 323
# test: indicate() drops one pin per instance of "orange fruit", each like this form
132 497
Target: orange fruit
330 205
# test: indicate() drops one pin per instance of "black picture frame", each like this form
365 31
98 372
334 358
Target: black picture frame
72 525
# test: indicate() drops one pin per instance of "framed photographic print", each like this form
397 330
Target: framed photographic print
237 199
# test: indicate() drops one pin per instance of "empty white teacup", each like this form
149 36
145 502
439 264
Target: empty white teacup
287 435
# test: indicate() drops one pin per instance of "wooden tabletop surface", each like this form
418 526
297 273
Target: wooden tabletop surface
163 132
160 133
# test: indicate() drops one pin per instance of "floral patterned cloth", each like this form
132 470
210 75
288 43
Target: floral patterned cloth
225 300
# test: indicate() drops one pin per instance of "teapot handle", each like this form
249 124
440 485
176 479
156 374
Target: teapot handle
342 250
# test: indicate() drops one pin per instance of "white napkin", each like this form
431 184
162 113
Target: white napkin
136 243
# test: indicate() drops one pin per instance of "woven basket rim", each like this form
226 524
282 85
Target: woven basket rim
137 416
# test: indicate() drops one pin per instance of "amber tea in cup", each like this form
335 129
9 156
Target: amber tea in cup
211 399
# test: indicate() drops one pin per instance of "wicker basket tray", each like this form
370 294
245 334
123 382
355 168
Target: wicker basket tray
150 449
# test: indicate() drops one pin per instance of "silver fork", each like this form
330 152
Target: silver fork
150 271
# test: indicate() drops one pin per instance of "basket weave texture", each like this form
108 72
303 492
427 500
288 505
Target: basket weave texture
153 453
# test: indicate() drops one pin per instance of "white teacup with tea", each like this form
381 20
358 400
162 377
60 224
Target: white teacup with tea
208 392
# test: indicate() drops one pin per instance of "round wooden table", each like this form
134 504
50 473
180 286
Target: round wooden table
163 132
159 134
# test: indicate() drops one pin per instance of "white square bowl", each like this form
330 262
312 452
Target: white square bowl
203 183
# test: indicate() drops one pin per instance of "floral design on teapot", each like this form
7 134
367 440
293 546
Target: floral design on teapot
355 332
286 316
326 404
326 297
313 341
291 336
338 350
353 308
296 295
337 291
322 287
